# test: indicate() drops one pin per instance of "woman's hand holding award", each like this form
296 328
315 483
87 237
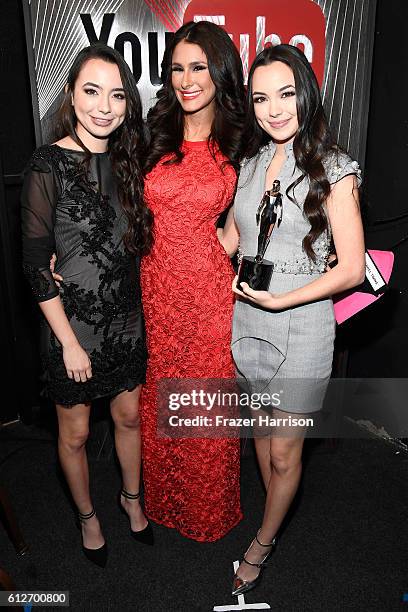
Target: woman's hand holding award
257 271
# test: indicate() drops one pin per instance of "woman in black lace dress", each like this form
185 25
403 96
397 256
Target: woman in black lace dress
83 200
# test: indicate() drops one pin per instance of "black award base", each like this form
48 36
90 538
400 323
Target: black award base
257 275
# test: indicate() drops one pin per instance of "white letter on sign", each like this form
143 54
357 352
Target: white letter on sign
306 42
244 53
261 39
260 34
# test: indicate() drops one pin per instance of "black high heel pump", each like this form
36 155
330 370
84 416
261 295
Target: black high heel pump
98 556
143 535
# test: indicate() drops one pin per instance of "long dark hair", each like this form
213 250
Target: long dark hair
165 120
312 143
126 146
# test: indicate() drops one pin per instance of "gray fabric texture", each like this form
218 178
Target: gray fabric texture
293 347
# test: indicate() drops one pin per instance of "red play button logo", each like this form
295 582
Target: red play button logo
256 23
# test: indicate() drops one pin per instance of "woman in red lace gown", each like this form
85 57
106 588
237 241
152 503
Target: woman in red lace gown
191 484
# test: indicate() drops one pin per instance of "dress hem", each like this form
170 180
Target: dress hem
129 387
170 525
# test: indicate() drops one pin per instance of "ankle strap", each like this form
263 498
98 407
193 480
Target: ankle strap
130 495
85 517
260 543
260 564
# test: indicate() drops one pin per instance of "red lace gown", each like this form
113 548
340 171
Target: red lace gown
191 484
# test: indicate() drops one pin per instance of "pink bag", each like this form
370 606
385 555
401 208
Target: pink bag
379 266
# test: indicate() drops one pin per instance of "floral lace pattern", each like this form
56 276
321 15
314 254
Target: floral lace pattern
100 291
41 282
190 484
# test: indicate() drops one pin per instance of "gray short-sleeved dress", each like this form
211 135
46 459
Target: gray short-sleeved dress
294 346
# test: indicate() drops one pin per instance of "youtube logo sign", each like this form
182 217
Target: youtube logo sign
255 24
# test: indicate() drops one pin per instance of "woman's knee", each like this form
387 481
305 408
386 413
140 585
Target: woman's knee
74 439
127 416
73 426
285 458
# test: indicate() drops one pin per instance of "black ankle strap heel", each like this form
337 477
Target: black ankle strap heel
98 556
145 536
85 517
129 495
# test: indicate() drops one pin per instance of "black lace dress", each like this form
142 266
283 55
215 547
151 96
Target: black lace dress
78 216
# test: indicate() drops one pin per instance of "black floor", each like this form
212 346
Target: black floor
344 547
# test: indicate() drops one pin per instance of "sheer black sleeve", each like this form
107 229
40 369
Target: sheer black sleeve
38 203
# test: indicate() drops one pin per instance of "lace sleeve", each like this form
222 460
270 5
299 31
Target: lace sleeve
38 201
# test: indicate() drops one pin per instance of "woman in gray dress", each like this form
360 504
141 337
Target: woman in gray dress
287 332
83 200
